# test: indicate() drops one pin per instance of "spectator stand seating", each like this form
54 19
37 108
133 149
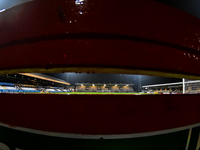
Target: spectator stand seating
12 88
28 89
7 87
51 90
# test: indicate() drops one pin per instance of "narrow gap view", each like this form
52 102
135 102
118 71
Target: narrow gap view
83 83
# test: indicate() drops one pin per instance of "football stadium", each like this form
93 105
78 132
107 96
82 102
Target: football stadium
99 75
97 84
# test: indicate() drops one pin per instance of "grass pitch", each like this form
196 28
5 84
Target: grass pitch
84 93
97 93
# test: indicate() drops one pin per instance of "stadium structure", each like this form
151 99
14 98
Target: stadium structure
98 36
37 82
104 88
41 83
185 87
32 83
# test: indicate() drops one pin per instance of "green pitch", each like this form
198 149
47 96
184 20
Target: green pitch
98 93
85 93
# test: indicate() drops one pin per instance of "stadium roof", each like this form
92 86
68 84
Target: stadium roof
45 77
102 84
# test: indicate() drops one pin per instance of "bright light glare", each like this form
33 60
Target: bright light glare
78 2
115 84
6 4
2 10
104 84
92 84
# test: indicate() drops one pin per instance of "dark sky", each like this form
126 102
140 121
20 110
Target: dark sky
73 78
190 6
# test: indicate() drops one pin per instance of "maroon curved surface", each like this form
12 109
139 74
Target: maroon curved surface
144 35
132 34
99 114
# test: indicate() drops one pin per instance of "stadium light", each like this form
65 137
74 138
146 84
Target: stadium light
2 10
92 84
104 84
115 84
78 2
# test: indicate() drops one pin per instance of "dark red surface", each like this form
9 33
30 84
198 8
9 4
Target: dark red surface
99 114
131 34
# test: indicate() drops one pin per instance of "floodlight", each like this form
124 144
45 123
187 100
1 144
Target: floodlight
78 2
2 10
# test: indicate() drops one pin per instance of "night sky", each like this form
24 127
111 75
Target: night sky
137 80
190 6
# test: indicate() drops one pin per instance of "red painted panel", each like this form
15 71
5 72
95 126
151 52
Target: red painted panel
132 34
99 114
144 35
100 53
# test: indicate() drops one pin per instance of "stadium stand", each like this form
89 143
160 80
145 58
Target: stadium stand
30 89
1 88
65 90
51 90
22 88
101 87
126 89
6 84
9 89
81 88
92 89
191 87
115 89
